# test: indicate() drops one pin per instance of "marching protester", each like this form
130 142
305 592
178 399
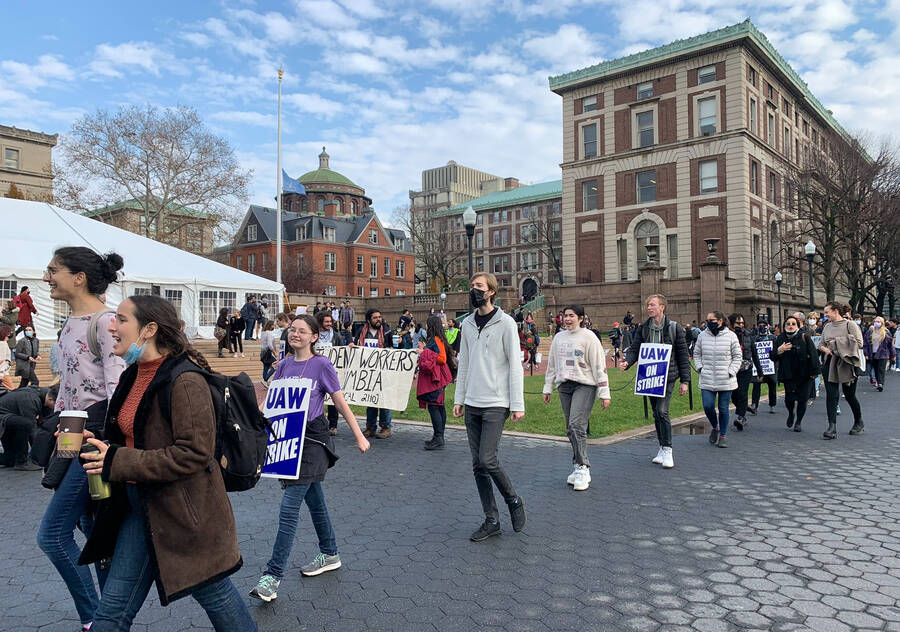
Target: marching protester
763 334
375 333
798 362
615 341
5 357
878 346
659 329
28 353
813 327
489 383
27 311
745 374
10 316
268 350
897 349
223 332
318 455
435 362
718 358
90 373
452 334
237 324
841 342
168 519
249 313
329 337
348 315
577 367
19 412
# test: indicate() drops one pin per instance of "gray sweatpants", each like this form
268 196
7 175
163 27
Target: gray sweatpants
577 402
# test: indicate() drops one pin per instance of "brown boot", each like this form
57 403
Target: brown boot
369 432
384 433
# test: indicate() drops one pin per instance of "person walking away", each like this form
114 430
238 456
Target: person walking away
797 362
627 336
420 334
435 360
878 346
328 337
615 341
168 520
658 328
20 410
5 357
577 367
268 350
27 311
236 325
745 374
841 342
490 384
28 354
318 455
718 358
10 316
54 357
223 327
376 334
249 312
79 276
763 334
813 327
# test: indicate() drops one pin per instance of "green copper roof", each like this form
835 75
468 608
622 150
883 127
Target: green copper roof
696 44
522 195
135 205
326 176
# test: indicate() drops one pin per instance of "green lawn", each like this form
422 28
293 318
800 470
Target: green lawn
625 412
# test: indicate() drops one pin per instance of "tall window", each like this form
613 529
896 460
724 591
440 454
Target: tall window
353 207
360 264
320 205
770 119
774 245
373 236
328 233
773 181
708 117
754 178
645 90
174 297
401 269
8 290
589 104
265 261
757 255
787 142
672 247
589 133
479 239
645 234
300 233
240 262
556 208
622 249
387 267
753 114
529 233
646 186
330 262
61 312
209 311
251 232
645 129
709 176
251 262
359 290
706 74
373 267
11 158
589 195
338 207
555 231
752 75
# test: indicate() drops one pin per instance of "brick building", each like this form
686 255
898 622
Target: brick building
25 162
667 148
182 227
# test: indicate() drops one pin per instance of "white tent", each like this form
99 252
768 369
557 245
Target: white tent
196 285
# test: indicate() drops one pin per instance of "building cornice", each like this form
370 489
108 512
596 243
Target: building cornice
25 134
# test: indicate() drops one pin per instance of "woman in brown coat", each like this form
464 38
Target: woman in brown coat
169 519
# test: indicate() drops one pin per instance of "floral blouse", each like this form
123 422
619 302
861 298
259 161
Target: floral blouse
84 378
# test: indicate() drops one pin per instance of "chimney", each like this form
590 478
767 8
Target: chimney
323 160
331 207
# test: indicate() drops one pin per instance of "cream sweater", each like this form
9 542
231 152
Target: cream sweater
577 356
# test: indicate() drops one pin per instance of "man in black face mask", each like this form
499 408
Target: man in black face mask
762 334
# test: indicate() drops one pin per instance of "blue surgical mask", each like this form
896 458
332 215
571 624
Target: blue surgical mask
29 334
134 353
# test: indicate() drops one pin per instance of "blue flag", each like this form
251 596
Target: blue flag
289 185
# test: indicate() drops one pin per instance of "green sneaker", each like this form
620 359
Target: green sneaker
321 563
267 588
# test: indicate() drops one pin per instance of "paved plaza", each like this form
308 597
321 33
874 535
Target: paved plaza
781 531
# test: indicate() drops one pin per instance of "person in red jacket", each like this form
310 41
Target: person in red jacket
435 360
26 309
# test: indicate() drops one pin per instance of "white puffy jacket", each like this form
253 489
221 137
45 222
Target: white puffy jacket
718 359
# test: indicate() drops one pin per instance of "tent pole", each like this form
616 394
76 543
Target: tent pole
278 211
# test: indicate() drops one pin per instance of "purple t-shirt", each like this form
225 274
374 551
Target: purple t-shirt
318 369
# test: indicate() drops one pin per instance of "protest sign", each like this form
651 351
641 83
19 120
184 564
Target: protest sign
378 378
287 404
763 350
652 369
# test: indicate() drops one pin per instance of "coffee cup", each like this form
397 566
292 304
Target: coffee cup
71 433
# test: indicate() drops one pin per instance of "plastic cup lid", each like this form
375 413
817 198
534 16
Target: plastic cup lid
74 413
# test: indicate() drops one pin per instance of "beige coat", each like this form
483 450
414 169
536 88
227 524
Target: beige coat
844 339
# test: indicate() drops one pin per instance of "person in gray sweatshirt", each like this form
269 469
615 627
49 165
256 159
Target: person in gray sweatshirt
490 384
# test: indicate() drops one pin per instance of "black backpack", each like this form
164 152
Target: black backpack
241 428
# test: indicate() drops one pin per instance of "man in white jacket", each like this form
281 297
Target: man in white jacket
489 383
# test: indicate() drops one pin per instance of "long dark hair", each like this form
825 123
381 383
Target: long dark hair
154 309
100 271
434 326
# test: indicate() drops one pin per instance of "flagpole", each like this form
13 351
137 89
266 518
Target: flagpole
278 211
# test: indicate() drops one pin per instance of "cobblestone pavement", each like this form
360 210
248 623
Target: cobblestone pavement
782 531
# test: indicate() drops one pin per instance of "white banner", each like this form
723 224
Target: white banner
373 377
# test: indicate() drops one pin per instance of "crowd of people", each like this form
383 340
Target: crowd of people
151 430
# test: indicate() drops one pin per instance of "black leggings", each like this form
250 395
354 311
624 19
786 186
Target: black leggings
879 366
739 395
438 415
237 343
833 397
797 393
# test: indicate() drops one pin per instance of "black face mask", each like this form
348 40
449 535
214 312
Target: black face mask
713 326
476 297
763 331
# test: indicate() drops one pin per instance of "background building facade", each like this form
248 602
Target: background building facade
182 227
25 163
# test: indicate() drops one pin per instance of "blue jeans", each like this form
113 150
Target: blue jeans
709 407
376 416
131 576
70 508
248 332
268 371
289 517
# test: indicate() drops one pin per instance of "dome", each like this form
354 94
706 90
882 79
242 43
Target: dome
326 176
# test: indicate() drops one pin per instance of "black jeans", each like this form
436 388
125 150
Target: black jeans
879 366
236 343
660 406
29 378
438 414
833 397
796 393
484 427
757 390
15 440
739 395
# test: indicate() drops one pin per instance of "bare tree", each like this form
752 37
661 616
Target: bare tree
296 273
546 234
437 255
164 160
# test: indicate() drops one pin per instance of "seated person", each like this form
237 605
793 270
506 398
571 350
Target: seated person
20 411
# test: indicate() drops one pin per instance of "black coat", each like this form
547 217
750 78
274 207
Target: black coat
799 363
681 367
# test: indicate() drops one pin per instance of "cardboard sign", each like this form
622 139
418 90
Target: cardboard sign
373 377
764 350
652 369
287 405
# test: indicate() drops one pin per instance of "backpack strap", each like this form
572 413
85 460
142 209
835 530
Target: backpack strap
165 393
93 343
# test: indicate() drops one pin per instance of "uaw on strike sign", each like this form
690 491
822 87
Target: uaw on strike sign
287 406
652 369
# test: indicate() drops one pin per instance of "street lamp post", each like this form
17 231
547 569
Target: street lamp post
469 219
778 279
443 300
810 250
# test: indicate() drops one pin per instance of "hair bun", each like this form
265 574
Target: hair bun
114 263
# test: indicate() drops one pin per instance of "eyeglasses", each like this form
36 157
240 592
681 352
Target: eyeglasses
51 271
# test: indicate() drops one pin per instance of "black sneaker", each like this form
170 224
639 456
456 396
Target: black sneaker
486 530
435 443
739 423
752 410
790 420
517 514
714 435
857 429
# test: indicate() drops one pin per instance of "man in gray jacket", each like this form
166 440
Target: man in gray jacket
489 383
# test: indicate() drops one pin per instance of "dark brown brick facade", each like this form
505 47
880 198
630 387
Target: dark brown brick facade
706 228
589 252
579 193
666 186
692 73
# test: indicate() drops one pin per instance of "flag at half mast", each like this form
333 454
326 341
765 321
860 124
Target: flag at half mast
290 185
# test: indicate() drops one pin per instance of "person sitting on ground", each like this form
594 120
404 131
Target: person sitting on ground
20 411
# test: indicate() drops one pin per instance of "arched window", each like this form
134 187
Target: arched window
303 204
339 208
774 246
320 205
353 207
646 233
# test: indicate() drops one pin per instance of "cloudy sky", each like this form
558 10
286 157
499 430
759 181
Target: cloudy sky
393 87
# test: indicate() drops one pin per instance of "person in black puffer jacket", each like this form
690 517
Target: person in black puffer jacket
750 359
798 363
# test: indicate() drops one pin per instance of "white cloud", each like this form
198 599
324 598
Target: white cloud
200 40
572 46
112 60
314 104
325 13
49 68
355 63
255 119
366 9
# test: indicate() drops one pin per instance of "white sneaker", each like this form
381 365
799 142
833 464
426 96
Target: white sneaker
235 355
242 355
667 460
571 479
582 478
659 456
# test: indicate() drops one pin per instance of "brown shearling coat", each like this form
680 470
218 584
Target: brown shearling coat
189 521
